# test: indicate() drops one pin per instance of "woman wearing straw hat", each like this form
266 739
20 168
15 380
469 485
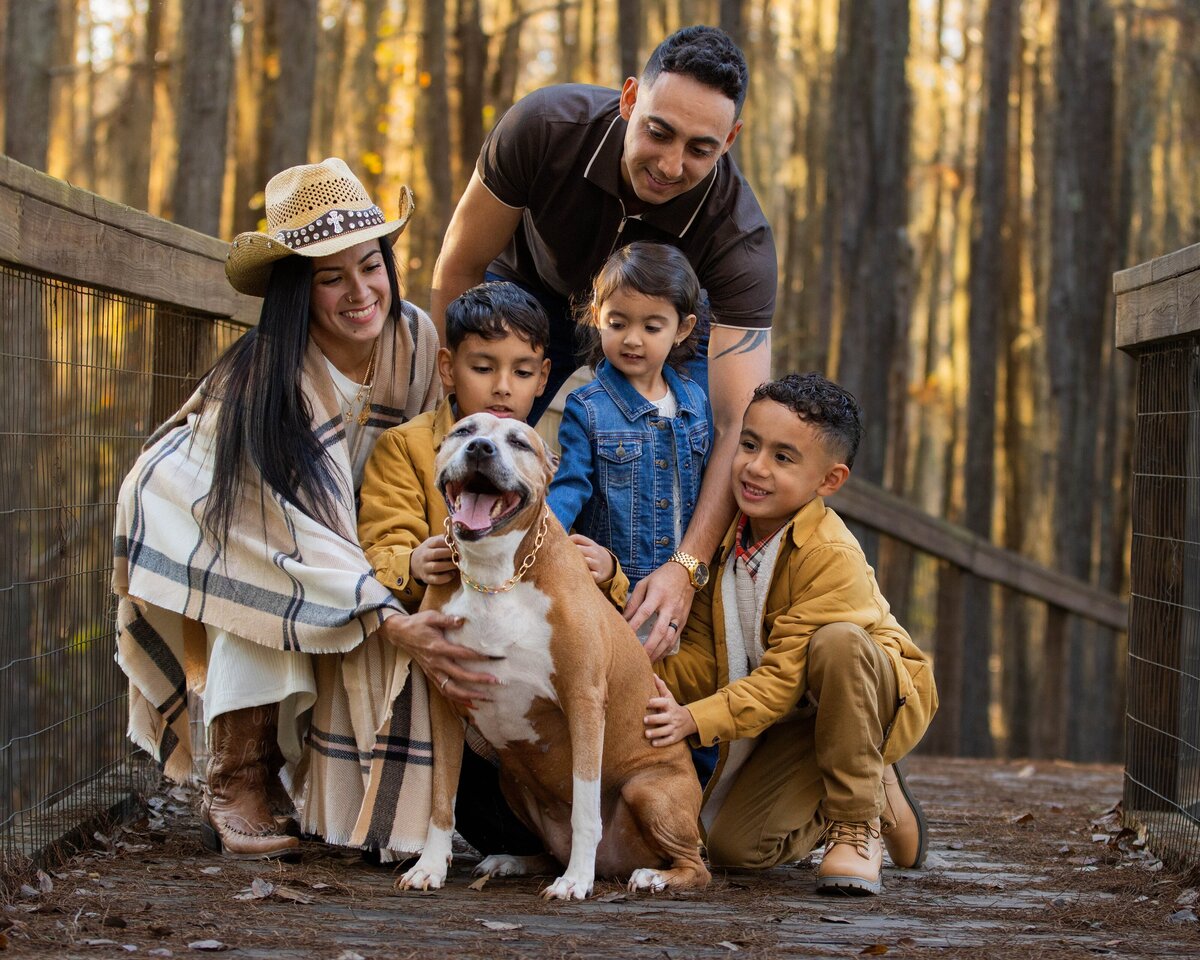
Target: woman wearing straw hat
237 567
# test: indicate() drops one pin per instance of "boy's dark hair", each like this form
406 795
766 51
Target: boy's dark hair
705 54
827 406
493 311
654 270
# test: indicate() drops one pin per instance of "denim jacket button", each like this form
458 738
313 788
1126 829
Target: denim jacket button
664 503
663 541
661 464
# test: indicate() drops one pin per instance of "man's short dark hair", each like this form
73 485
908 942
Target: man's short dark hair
493 311
705 54
818 400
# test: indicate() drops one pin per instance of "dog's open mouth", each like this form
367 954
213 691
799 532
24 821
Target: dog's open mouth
477 506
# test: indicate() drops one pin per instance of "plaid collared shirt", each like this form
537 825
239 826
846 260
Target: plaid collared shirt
750 554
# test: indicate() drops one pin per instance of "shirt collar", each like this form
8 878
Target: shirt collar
631 403
604 170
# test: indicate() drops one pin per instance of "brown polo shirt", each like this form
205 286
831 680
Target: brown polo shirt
556 154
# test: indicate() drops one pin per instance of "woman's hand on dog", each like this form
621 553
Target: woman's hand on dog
423 637
431 562
667 722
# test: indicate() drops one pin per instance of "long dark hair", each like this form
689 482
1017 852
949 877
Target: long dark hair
265 422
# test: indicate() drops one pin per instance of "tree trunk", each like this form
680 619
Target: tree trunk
289 83
730 19
435 104
869 199
1078 314
629 35
202 114
29 45
472 58
983 324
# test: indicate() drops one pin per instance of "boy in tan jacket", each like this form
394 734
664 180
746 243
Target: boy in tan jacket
792 662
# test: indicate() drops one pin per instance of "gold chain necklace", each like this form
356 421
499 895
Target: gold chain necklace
363 396
511 581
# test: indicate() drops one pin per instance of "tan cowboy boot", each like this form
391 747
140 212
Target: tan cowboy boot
853 861
903 821
235 818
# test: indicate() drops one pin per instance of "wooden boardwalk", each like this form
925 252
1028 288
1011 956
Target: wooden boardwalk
1023 863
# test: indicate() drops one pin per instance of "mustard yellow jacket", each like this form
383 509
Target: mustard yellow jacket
821 576
400 506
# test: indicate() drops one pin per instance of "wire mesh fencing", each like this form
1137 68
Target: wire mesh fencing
1162 777
85 376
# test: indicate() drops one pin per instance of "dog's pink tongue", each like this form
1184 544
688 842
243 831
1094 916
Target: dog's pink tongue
475 510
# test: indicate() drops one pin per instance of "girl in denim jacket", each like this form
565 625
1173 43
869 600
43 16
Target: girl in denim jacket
636 439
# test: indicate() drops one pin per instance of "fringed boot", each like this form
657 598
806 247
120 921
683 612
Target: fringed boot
235 814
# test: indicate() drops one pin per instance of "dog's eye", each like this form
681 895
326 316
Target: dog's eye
519 442
464 431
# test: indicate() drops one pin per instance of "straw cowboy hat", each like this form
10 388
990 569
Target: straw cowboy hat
314 210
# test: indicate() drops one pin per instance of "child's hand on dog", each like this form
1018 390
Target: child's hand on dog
431 561
667 722
600 562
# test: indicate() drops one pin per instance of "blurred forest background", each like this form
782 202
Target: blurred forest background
951 182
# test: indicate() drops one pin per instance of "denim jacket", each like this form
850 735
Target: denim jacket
616 480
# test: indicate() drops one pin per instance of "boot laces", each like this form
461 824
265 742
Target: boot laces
857 834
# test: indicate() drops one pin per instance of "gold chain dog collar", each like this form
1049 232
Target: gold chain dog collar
511 581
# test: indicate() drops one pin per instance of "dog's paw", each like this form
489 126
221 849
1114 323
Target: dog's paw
564 888
421 877
506 865
647 879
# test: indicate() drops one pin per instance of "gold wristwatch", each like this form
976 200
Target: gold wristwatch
697 569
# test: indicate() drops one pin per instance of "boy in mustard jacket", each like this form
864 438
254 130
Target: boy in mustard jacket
792 662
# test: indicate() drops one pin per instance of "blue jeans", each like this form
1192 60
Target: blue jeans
563 349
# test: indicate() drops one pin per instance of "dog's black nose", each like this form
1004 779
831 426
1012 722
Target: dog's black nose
481 448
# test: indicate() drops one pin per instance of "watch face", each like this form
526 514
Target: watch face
700 577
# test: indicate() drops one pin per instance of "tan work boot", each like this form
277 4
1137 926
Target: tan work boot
853 861
903 821
235 817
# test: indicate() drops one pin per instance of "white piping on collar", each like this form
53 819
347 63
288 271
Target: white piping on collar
603 141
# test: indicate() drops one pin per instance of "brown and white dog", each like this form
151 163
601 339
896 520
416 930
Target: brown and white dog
567 717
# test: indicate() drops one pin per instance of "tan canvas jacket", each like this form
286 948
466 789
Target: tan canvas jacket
821 576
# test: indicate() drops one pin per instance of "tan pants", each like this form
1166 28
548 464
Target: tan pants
806 772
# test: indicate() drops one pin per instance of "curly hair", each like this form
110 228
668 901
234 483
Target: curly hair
654 270
493 311
830 408
705 54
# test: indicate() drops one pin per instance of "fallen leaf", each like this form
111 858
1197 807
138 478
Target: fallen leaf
1187 898
1186 915
134 847
1055 807
1026 771
101 943
729 945
211 871
955 844
1064 849
321 886
874 950
296 896
612 898
1025 817
906 942
101 838
45 884
160 952
498 924
350 955
211 945
480 883
28 891
830 918
129 947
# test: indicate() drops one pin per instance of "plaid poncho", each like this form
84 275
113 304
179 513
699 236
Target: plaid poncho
286 581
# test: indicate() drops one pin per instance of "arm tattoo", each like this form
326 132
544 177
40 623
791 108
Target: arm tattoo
750 341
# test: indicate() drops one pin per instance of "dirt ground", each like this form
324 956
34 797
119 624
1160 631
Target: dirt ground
1026 861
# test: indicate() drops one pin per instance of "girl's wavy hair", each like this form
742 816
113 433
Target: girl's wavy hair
653 270
264 422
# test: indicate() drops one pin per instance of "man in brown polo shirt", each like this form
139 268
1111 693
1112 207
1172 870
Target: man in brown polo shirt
572 172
